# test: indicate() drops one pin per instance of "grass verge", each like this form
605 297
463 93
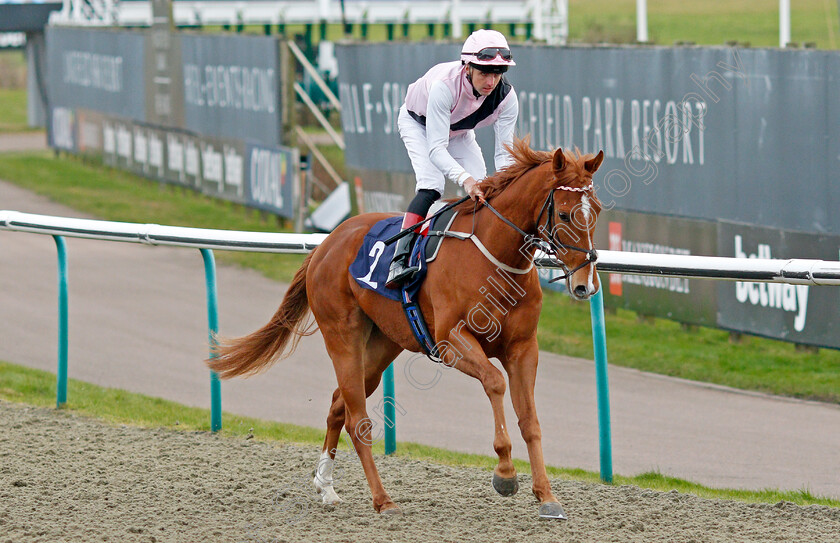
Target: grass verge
711 22
662 346
114 406
116 195
13 111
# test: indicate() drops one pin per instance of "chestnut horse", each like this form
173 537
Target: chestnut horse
542 200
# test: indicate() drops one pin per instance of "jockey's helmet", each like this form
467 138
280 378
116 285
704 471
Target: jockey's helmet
488 51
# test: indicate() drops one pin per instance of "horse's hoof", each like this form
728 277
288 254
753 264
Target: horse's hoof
327 493
329 497
393 510
552 510
505 487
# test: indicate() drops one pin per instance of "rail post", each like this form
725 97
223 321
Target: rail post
61 373
599 342
389 410
213 328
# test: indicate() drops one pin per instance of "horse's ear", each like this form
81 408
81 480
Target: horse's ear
559 160
593 164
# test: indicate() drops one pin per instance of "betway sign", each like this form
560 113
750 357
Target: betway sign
798 313
774 296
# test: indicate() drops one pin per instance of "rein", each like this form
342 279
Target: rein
548 246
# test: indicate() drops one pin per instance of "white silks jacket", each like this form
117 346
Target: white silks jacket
444 101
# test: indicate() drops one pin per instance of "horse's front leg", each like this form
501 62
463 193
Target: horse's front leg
520 362
475 363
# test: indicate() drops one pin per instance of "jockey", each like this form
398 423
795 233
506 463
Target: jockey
436 124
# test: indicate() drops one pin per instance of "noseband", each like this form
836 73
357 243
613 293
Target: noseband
548 245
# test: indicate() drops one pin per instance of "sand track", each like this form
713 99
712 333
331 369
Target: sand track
65 478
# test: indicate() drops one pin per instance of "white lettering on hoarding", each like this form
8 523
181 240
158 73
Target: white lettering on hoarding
673 284
358 107
211 162
92 70
790 298
234 166
141 147
553 121
240 88
268 170
124 147
175 153
62 128
155 152
191 161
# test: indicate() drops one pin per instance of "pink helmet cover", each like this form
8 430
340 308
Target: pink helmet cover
481 39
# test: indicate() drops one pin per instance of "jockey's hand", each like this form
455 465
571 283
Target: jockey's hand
471 186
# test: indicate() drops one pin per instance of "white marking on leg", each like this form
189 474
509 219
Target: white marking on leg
323 480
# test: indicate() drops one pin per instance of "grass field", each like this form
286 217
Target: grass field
705 22
116 195
662 346
13 110
34 387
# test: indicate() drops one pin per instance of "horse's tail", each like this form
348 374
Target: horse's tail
255 352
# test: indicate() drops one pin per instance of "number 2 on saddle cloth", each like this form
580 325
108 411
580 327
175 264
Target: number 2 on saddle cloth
370 269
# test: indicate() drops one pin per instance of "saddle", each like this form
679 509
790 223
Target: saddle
370 268
437 231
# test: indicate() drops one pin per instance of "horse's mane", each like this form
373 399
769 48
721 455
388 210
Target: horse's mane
525 158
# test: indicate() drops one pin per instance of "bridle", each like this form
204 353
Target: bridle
550 246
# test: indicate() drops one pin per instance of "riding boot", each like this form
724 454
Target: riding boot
400 271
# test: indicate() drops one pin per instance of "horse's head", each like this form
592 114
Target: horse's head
555 204
567 219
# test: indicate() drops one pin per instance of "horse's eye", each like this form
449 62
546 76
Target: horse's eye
564 217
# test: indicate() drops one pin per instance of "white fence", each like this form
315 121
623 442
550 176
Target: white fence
549 17
794 271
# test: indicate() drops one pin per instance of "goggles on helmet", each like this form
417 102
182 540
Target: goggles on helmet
489 53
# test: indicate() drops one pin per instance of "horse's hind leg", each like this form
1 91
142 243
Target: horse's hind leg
358 377
323 481
379 352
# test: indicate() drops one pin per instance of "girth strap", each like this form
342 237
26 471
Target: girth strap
419 328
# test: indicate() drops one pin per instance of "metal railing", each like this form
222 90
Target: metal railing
793 271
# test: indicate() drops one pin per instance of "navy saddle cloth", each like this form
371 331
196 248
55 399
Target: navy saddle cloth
370 268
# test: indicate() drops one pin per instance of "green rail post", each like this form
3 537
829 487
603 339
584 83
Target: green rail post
599 341
213 328
389 410
61 373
